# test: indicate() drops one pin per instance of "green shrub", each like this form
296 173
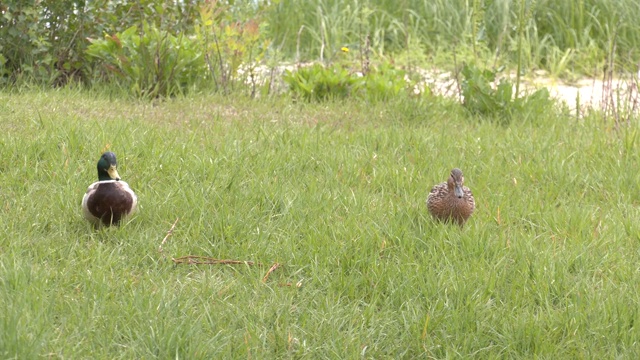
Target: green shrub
231 36
153 63
26 48
383 83
319 83
44 41
480 97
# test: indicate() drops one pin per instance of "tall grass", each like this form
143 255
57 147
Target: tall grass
547 266
563 37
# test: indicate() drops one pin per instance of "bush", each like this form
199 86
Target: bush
480 97
319 83
45 40
233 39
153 63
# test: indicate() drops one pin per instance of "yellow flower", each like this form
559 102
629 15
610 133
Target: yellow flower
344 49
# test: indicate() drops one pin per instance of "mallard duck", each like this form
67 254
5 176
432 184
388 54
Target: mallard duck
450 200
109 199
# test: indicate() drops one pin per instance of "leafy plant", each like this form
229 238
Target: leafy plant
231 41
382 83
153 63
319 83
480 96
44 40
26 50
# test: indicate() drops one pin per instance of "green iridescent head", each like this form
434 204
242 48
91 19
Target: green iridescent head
108 167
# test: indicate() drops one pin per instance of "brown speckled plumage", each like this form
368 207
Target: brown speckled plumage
450 200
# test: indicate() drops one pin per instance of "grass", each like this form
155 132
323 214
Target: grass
546 267
568 39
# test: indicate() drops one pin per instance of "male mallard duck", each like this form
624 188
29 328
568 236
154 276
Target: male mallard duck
451 201
109 199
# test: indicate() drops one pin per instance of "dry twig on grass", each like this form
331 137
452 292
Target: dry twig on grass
205 260
169 233
271 269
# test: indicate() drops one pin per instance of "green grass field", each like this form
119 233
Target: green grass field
547 267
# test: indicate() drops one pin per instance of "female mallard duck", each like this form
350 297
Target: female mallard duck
109 199
451 201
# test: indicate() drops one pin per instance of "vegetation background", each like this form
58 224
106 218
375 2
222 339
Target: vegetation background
47 40
326 178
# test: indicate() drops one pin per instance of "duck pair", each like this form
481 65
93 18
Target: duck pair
110 199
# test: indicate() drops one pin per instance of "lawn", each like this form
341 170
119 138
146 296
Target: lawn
548 265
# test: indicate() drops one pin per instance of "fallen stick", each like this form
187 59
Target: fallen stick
205 260
271 269
169 233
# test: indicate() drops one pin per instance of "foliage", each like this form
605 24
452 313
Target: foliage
45 40
383 83
320 83
25 46
231 39
151 63
480 96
